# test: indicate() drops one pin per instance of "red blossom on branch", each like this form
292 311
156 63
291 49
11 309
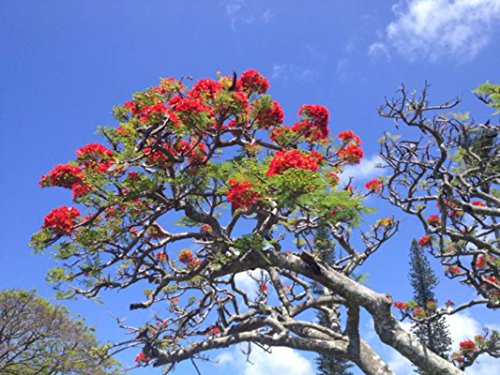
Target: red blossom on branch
61 220
284 160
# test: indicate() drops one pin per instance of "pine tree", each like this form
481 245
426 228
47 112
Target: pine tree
328 365
434 334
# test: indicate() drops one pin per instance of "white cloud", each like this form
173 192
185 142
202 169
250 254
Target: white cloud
245 281
379 50
437 29
368 168
223 358
285 72
280 361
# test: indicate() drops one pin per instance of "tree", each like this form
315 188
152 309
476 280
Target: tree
448 179
434 334
39 338
217 160
326 364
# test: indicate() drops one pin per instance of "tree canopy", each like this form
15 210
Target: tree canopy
248 193
37 337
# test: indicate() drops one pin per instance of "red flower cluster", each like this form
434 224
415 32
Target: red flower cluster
162 256
214 331
400 305
194 150
375 185
241 194
141 357
419 313
349 137
333 178
453 270
263 288
284 160
205 88
188 106
480 262
314 123
93 151
352 153
467 346
206 229
186 256
478 203
251 81
95 156
63 175
269 117
61 220
434 220
425 241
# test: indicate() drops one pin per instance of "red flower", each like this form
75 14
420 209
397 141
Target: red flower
214 331
434 220
194 150
480 262
284 160
141 357
186 256
478 204
333 179
419 313
352 154
425 241
263 288
453 270
449 303
61 220
80 190
269 116
375 185
348 137
94 151
467 346
162 256
188 106
314 124
241 194
63 175
206 229
400 305
251 81
205 88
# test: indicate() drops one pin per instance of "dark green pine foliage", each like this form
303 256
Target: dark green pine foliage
327 365
435 334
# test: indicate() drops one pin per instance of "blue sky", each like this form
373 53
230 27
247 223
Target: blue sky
64 64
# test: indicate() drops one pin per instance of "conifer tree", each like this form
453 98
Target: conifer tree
434 333
328 365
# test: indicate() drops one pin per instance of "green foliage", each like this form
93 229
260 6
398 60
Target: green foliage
490 94
40 338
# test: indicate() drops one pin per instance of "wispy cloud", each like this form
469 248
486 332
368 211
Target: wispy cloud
237 12
287 71
439 29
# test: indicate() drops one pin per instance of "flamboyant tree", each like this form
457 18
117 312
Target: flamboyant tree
199 184
39 338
